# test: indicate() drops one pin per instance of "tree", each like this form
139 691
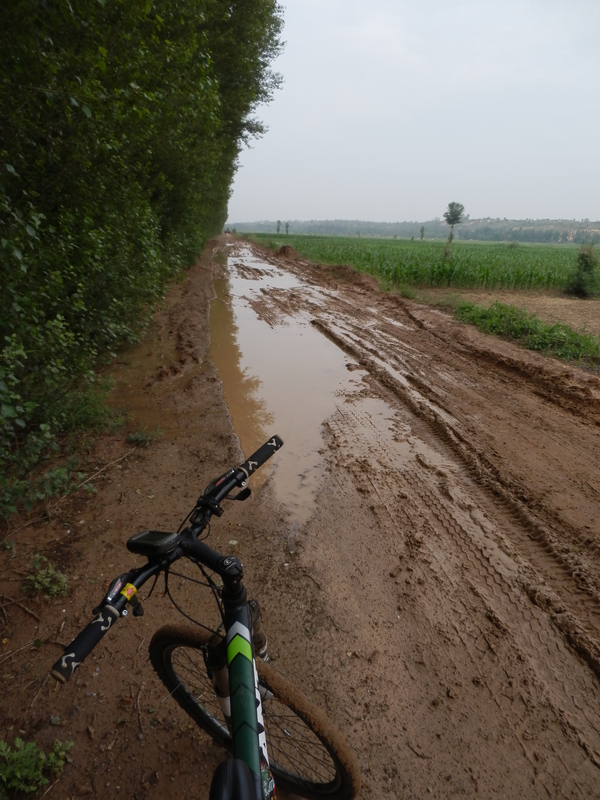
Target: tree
278 225
287 228
422 232
453 216
584 280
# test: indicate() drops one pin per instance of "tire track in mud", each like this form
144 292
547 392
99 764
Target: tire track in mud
521 419
557 387
550 556
459 538
552 551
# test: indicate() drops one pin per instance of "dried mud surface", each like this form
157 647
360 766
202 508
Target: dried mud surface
441 605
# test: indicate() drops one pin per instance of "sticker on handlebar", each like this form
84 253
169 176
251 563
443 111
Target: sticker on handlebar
128 591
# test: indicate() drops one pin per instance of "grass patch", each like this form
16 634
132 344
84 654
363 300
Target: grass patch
26 768
46 578
511 322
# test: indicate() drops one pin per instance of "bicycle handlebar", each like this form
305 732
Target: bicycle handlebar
114 604
83 644
263 453
220 488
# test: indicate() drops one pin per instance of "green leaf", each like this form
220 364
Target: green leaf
87 111
103 51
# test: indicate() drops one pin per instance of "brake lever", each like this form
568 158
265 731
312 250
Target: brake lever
243 495
114 588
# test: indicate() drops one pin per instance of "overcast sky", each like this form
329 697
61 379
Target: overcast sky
390 109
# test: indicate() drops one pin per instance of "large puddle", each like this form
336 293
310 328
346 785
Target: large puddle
279 376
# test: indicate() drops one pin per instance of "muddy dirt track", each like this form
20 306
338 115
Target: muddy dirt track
441 598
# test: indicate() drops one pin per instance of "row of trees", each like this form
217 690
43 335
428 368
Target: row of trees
120 126
550 231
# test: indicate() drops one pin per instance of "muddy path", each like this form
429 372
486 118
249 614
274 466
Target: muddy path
426 547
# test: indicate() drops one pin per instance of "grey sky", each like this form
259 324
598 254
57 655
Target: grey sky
390 109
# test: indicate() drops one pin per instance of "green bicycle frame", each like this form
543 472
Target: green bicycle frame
247 729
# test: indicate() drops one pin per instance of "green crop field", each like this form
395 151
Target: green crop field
422 263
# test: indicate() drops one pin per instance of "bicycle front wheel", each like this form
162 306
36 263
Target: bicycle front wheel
308 755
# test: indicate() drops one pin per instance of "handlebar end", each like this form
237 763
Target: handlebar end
263 453
58 676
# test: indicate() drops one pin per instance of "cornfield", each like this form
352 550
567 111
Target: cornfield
422 263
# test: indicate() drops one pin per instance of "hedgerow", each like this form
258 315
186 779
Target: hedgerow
120 126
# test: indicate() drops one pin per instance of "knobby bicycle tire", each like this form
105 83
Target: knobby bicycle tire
308 756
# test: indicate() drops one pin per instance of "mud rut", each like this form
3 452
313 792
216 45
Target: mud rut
442 602
455 548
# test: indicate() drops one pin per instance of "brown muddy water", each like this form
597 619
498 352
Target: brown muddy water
279 376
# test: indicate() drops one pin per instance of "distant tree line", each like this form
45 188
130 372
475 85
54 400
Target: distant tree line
493 230
120 126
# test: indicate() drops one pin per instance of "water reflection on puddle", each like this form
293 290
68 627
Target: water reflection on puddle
287 379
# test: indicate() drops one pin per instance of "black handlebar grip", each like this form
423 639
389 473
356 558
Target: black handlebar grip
264 452
83 644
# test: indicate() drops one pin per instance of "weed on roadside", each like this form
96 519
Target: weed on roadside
26 768
47 580
448 302
144 438
406 291
25 446
8 546
511 322
61 480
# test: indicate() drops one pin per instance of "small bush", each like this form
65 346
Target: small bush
584 281
47 580
25 769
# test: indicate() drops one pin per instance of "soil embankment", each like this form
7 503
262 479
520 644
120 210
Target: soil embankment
441 602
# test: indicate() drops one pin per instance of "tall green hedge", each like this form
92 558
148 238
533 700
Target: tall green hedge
120 126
